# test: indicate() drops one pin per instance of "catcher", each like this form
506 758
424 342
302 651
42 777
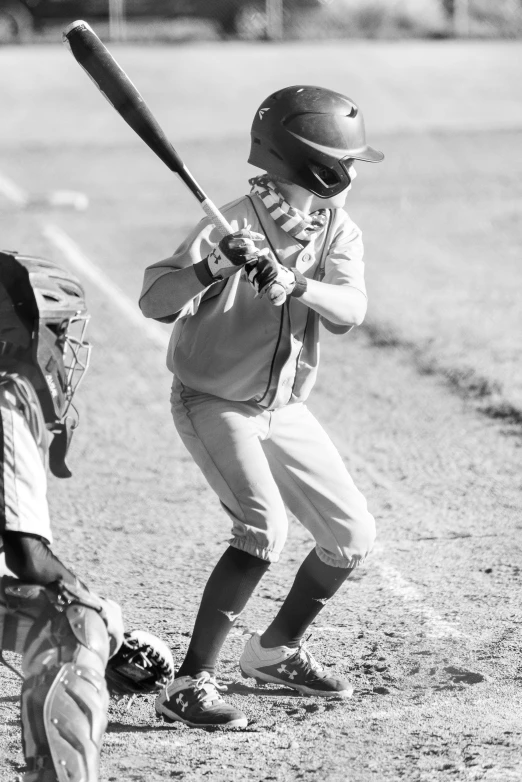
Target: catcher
72 641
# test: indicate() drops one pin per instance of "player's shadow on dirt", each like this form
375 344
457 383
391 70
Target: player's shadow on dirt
121 727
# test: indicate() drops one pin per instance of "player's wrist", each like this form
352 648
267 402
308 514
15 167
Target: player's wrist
219 265
203 273
300 286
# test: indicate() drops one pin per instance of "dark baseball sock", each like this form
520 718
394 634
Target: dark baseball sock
314 584
226 594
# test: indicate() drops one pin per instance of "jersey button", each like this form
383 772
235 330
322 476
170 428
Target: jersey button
306 257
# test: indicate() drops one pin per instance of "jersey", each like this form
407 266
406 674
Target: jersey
227 341
23 456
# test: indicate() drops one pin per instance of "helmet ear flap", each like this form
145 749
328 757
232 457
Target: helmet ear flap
329 181
327 177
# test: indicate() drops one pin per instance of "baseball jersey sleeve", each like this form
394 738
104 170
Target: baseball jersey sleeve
344 263
171 295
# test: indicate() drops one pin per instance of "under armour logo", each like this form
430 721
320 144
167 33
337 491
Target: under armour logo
181 702
290 674
229 614
263 111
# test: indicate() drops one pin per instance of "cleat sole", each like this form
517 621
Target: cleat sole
252 676
240 722
301 688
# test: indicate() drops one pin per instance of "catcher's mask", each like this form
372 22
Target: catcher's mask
43 318
310 136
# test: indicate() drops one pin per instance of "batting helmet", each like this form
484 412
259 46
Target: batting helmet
310 135
43 317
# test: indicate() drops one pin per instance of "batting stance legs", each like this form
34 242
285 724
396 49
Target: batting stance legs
258 462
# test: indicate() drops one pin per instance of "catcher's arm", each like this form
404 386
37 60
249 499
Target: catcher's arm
30 558
143 664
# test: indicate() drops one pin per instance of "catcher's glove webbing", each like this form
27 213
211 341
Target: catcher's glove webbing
141 665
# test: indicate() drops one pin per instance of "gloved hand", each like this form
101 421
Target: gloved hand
233 252
267 271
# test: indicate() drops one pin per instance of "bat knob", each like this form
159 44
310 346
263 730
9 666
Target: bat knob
276 294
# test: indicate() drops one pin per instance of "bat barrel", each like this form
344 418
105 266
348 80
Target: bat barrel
123 95
118 89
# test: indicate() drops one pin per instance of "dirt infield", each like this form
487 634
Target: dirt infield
429 629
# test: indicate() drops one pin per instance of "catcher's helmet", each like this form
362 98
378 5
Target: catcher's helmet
43 317
310 135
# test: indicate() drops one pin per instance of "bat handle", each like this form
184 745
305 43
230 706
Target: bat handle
276 293
216 217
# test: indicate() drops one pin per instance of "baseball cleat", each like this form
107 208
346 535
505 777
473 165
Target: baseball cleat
291 667
197 703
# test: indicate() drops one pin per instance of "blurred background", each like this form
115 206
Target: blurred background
135 20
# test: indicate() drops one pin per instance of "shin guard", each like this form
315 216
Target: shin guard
64 695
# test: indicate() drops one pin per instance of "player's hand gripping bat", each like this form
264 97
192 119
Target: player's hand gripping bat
115 85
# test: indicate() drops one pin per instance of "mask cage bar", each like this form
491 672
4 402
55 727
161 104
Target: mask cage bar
76 356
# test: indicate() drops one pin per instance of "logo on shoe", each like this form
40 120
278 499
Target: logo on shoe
290 674
181 702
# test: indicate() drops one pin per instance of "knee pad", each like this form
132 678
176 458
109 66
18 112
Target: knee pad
64 696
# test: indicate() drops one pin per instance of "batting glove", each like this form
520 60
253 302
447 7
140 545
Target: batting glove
268 271
233 252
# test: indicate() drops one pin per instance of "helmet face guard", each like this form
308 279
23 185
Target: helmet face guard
63 356
76 355
310 136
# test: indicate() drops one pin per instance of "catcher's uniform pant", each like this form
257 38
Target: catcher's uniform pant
257 461
64 645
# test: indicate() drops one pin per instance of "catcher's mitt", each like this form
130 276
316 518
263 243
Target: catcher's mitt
142 664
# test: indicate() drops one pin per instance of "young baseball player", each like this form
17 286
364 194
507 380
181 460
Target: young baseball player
64 632
243 369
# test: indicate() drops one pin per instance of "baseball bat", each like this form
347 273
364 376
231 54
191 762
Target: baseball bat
112 81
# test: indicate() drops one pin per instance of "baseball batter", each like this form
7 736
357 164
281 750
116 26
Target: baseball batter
64 632
243 369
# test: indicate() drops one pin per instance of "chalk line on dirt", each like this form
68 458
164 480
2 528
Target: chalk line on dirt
433 624
87 268
12 191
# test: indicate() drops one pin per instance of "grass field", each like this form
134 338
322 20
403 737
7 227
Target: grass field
429 630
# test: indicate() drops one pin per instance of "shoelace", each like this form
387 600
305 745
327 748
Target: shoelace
309 662
208 689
